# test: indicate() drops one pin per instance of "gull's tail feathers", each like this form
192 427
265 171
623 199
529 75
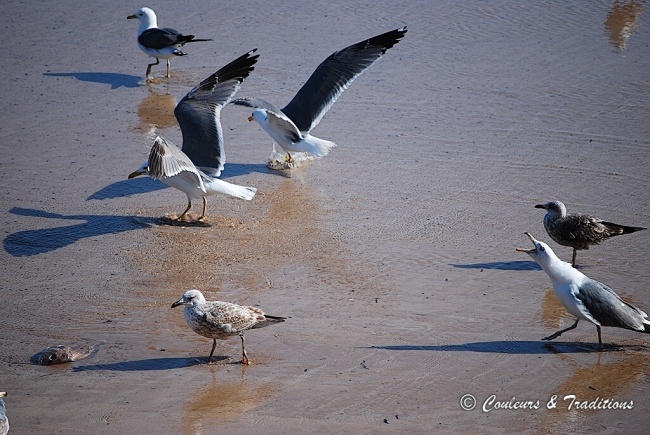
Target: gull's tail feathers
221 186
317 147
618 229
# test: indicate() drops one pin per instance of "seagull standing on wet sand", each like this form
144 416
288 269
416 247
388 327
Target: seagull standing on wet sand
578 230
4 421
159 43
585 298
220 320
195 168
291 126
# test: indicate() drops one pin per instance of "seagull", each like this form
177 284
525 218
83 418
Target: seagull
585 298
578 230
157 42
4 421
291 126
194 168
221 320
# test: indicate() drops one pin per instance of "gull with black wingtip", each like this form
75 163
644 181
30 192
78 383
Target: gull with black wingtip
194 168
159 43
291 126
585 298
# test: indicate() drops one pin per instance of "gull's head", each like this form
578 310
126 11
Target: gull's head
258 115
145 15
142 170
3 394
190 297
540 252
554 208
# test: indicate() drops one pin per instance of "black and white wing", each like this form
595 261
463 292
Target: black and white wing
334 75
158 39
256 103
198 114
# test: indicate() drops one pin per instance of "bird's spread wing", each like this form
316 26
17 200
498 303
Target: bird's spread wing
334 75
283 125
255 103
198 114
608 308
167 160
160 38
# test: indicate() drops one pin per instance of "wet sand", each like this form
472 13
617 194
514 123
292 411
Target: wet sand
394 256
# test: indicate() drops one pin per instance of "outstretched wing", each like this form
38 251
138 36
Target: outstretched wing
167 160
198 114
255 103
334 75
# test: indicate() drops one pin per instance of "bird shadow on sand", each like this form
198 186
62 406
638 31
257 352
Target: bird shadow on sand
126 187
116 80
39 241
501 265
151 364
237 169
521 347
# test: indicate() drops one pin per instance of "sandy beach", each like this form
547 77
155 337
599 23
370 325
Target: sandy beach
393 257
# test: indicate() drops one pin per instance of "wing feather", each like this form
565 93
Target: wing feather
333 76
198 114
167 160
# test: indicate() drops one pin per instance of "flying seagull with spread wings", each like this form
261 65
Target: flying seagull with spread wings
194 168
291 126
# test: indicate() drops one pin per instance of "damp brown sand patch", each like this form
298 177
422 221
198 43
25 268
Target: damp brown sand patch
243 253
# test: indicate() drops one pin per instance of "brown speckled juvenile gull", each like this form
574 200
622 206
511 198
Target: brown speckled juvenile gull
291 126
221 320
578 230
195 168
585 298
4 421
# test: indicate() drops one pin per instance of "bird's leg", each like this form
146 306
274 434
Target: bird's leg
189 206
573 260
558 333
205 205
214 344
149 67
244 359
600 342
168 66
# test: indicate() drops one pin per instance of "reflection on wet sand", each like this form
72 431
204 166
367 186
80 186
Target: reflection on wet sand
221 401
622 21
596 382
156 110
553 311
